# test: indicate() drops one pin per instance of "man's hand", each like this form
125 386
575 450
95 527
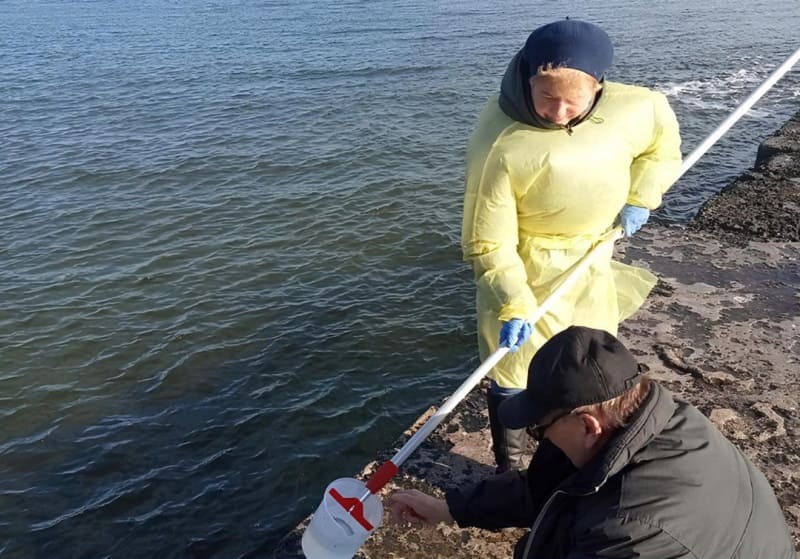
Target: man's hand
418 508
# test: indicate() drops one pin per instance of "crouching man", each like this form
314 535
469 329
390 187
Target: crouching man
622 469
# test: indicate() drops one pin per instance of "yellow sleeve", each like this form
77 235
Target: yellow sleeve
654 170
489 238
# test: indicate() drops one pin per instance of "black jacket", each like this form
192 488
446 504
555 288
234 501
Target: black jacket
667 485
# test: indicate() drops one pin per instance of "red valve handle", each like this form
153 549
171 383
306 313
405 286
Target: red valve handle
353 506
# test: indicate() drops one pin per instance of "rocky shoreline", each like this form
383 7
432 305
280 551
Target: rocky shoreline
721 329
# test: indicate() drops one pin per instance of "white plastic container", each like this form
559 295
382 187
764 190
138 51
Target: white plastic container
336 533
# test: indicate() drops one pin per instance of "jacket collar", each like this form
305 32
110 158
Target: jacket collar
646 423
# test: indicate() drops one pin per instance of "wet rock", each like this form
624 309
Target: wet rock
785 142
729 422
786 405
719 379
721 416
763 203
765 409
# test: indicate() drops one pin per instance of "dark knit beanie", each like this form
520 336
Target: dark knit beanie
570 43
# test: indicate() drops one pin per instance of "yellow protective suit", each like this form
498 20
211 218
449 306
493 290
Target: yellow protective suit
538 199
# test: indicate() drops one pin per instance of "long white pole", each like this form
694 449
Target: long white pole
704 146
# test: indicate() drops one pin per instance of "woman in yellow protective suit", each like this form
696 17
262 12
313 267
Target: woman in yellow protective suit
556 159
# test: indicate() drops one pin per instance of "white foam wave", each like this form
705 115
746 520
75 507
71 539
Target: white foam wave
715 92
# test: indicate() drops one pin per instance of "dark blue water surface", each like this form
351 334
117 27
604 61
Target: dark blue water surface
229 257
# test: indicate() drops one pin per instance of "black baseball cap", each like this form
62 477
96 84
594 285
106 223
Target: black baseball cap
577 367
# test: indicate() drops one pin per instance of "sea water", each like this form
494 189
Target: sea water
229 259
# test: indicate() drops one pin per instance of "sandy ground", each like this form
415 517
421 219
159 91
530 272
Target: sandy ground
721 329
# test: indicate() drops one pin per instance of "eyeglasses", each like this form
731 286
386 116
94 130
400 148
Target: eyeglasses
537 431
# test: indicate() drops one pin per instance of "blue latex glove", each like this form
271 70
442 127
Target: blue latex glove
514 333
632 218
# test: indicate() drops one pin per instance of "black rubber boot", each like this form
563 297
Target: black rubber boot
508 444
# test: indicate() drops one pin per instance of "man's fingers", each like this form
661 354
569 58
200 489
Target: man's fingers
401 509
